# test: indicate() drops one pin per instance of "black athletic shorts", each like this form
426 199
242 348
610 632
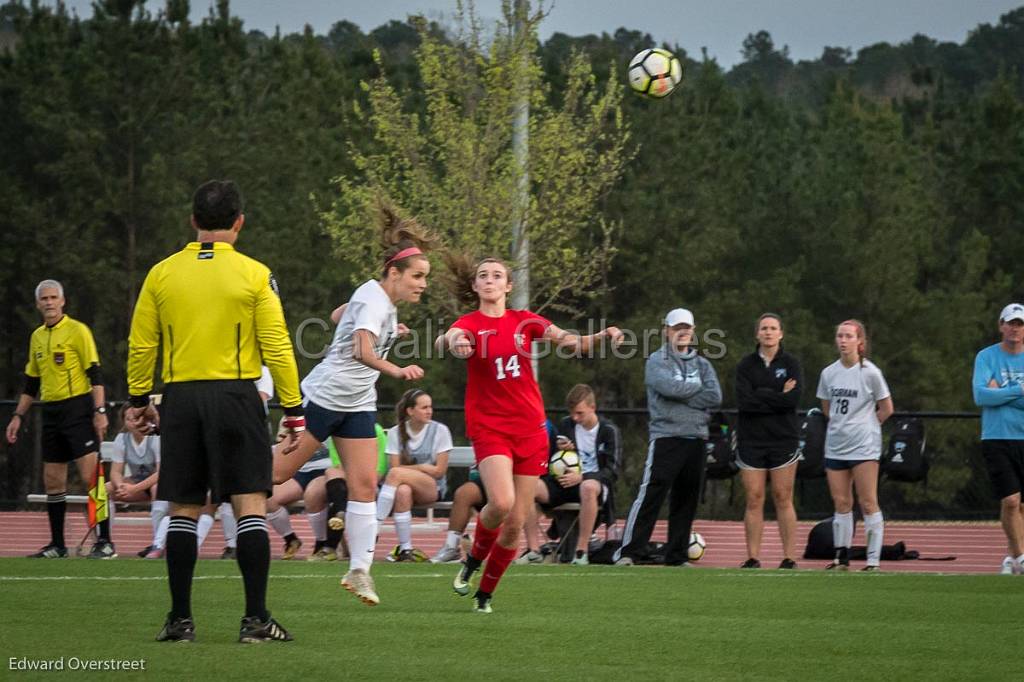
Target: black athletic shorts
764 458
213 436
304 478
483 492
68 432
1005 462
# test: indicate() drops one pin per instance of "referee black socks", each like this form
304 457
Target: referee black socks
181 551
254 563
56 505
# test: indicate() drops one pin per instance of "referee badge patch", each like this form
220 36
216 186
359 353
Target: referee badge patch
273 285
58 358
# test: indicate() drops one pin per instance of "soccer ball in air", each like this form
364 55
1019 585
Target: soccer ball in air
562 462
697 545
654 73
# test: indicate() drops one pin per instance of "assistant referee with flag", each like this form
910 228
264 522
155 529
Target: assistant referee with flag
216 314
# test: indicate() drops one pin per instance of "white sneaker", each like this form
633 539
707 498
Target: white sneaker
447 555
1010 566
580 559
624 561
529 557
359 583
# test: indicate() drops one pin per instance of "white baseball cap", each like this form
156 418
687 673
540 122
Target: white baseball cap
1014 311
684 316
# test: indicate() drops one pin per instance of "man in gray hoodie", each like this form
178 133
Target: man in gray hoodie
682 388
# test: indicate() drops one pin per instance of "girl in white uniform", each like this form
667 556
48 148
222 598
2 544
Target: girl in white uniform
340 393
417 449
856 399
135 471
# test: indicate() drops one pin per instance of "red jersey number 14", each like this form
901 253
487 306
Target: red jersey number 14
509 367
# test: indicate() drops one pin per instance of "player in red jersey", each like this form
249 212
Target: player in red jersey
504 409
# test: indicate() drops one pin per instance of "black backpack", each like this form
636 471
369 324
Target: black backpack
905 459
811 461
720 449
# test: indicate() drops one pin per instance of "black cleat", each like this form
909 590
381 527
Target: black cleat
177 630
254 631
51 551
482 602
751 563
787 563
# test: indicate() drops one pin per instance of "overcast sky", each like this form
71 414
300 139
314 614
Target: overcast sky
806 26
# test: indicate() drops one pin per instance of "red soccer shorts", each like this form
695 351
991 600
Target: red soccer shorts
529 454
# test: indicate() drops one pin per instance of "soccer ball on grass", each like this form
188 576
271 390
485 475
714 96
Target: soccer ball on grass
697 546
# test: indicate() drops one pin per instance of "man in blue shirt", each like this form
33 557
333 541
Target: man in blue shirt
999 391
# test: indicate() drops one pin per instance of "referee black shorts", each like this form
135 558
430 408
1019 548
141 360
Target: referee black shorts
213 436
68 432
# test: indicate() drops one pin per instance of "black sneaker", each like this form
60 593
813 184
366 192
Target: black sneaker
254 631
51 551
143 552
229 553
787 563
751 563
177 630
872 569
104 549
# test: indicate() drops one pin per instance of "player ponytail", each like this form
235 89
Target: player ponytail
402 239
863 345
407 401
461 271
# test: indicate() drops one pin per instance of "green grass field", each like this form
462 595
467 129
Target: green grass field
553 622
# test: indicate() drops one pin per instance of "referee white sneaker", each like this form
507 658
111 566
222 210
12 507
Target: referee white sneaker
1010 566
358 582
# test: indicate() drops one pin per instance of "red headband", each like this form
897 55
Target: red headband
404 253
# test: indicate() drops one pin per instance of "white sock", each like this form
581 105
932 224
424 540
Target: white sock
452 539
228 524
842 530
281 521
160 539
361 527
874 528
157 513
385 501
318 523
203 528
403 528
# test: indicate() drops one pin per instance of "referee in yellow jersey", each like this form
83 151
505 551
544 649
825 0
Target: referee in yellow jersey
216 314
63 362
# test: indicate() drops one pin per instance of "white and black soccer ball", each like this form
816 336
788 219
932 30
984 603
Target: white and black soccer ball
697 546
563 462
654 73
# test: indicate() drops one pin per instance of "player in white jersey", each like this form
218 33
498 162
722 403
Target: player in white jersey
340 392
856 399
418 449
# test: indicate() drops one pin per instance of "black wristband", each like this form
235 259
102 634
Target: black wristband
139 400
18 415
294 411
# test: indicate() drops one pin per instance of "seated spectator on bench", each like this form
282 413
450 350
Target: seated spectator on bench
309 484
135 469
599 445
468 496
418 449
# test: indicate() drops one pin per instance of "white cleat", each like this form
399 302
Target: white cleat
358 582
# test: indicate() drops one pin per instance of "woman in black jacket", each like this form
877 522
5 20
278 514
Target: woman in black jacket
768 386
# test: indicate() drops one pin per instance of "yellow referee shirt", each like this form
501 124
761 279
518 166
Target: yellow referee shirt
218 315
59 356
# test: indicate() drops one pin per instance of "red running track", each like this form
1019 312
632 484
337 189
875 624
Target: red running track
979 548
